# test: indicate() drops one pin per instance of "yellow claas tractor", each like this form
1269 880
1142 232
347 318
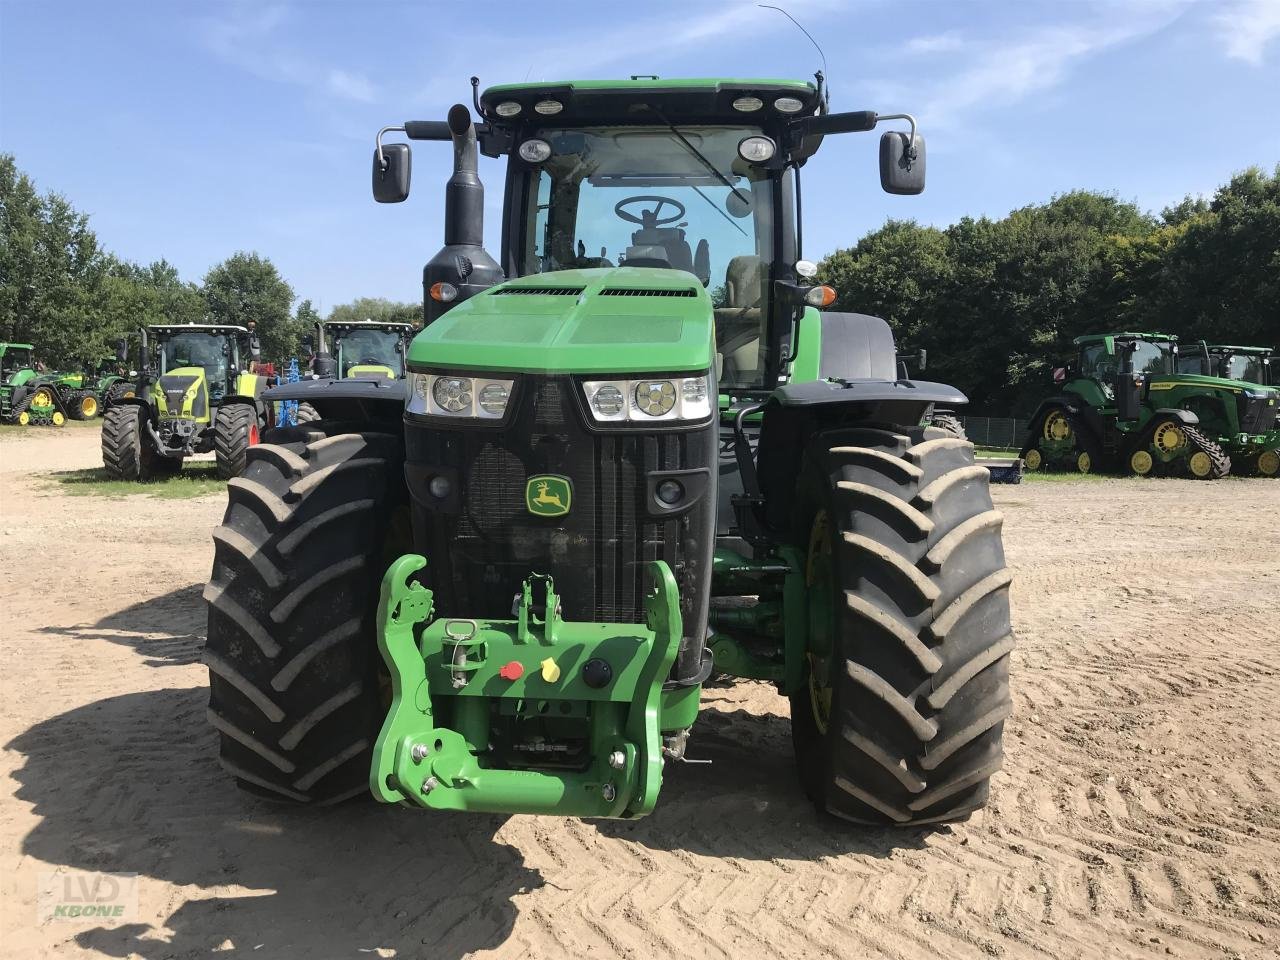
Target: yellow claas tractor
194 395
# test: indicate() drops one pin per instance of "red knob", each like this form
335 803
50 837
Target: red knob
511 671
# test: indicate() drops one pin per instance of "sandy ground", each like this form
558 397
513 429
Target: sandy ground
1138 814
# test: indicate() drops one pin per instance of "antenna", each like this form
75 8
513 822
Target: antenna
800 26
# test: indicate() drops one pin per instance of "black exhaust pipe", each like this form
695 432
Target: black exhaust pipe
463 267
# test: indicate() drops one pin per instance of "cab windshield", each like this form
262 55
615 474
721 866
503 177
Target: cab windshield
16 358
654 197
1153 356
1244 366
369 348
212 351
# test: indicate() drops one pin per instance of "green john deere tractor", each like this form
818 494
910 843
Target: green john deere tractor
1124 408
192 395
1250 368
26 396
631 454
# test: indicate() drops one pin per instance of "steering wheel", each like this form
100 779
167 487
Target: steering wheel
649 218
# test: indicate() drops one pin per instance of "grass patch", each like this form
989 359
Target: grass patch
1068 476
995 454
193 480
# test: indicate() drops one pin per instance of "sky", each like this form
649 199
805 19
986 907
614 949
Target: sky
190 130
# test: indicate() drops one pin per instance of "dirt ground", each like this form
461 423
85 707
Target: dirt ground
1138 814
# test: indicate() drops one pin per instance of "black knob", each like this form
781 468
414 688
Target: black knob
597 673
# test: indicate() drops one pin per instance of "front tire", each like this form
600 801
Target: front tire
126 451
235 430
902 718
292 599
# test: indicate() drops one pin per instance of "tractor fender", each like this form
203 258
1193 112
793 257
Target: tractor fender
1085 415
254 401
1185 417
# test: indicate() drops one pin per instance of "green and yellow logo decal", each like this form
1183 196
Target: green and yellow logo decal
548 495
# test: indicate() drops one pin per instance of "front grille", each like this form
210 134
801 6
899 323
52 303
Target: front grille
1256 414
637 292
599 551
540 291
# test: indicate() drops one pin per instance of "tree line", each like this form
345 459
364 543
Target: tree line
61 291
997 302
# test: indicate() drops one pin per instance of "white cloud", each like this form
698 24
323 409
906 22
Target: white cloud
938 43
1246 27
246 35
353 86
1003 72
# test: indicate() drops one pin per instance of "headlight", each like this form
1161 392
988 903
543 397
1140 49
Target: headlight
449 396
647 399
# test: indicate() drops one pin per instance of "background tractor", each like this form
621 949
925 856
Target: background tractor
192 396
1124 408
18 381
353 350
630 452
1250 368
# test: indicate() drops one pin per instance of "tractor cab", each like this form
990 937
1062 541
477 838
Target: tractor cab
211 349
362 349
14 358
1246 364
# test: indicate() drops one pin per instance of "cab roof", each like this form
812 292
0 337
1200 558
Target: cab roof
1099 337
623 101
371 324
208 327
1223 348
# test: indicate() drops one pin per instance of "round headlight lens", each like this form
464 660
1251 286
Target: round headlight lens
747 104
493 398
508 108
535 151
756 149
655 397
608 401
452 394
548 107
788 105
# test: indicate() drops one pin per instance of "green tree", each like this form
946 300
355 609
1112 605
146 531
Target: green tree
247 287
378 308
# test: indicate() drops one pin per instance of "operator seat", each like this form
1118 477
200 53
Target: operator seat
653 246
739 321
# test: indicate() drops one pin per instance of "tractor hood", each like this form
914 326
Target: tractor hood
1160 382
607 320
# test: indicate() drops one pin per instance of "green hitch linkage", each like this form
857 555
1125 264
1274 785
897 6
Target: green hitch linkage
610 673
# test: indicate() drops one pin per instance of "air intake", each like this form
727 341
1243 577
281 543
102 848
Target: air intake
538 291
641 292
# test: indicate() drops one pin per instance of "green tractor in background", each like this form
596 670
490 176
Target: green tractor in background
632 454
19 387
1249 367
1124 408
192 395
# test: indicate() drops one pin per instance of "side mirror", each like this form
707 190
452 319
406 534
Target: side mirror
924 358
901 163
391 165
122 350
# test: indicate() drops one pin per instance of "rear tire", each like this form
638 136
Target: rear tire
126 451
902 722
292 599
950 423
82 405
235 430
307 413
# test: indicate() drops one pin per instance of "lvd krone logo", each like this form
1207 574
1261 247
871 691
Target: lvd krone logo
548 495
76 894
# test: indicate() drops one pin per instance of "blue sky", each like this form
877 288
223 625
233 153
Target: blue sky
189 130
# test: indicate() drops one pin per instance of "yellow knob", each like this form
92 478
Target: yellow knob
550 671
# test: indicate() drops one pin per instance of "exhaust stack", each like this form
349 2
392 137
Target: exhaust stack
463 263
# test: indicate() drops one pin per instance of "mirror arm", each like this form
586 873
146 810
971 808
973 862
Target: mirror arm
902 116
382 161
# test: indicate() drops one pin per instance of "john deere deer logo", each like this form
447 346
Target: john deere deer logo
548 495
